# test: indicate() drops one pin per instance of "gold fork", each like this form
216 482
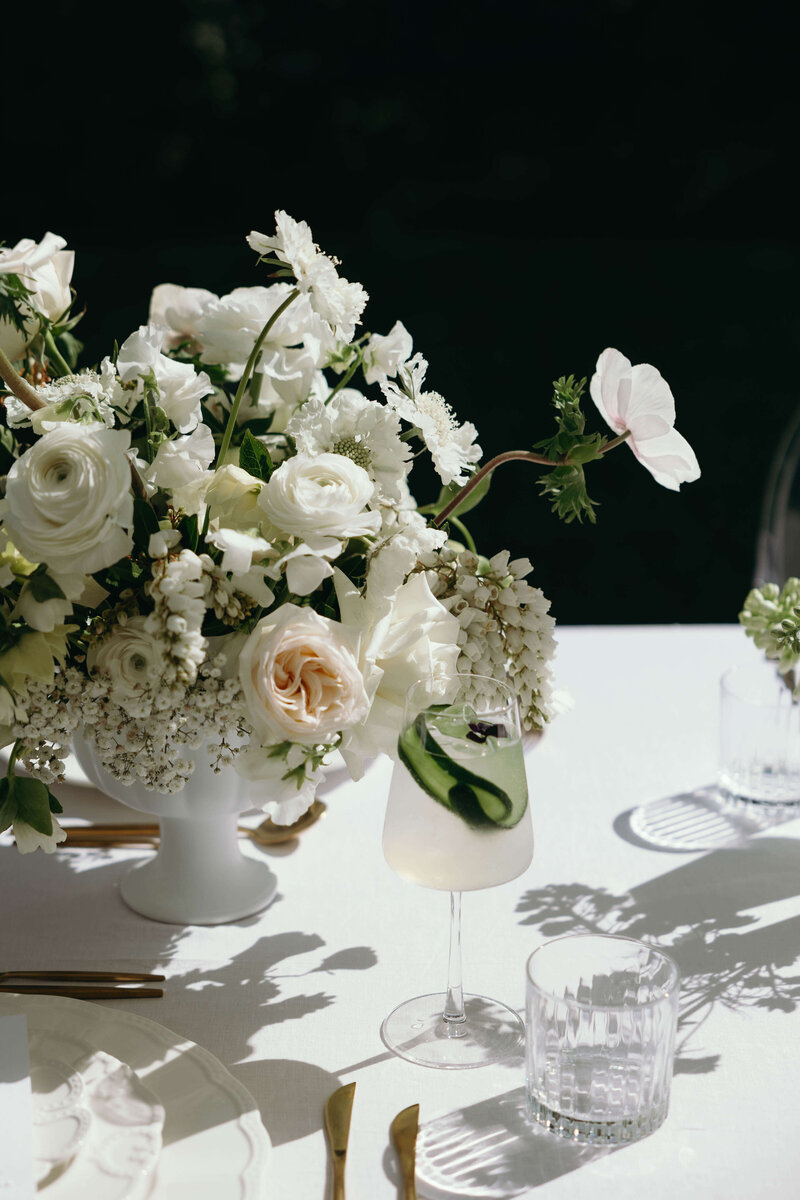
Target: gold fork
82 985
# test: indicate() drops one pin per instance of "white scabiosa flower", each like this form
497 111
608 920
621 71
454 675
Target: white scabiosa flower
362 430
452 446
637 400
68 499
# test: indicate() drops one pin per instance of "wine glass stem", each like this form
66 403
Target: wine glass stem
454 1015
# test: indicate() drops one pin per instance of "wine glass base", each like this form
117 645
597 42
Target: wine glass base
417 1031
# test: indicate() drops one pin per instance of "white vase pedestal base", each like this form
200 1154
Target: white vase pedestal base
199 875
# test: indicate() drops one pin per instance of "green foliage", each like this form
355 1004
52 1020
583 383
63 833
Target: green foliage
14 302
255 458
7 449
450 492
28 800
42 587
565 487
145 523
189 532
571 448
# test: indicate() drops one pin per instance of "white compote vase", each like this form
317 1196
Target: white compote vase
199 875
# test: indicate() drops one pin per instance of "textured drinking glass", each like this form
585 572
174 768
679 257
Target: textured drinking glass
601 1015
759 737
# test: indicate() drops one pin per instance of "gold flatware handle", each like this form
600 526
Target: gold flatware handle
84 993
78 976
404 1135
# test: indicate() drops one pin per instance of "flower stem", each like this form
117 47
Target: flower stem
469 541
343 382
55 356
16 750
507 456
248 370
19 386
617 441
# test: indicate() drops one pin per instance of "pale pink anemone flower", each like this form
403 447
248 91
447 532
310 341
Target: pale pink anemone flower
638 400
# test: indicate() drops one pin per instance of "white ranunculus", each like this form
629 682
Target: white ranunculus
404 639
638 400
45 269
384 355
180 387
300 677
323 495
129 657
179 310
68 499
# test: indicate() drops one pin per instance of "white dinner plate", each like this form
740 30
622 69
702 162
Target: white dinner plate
215 1146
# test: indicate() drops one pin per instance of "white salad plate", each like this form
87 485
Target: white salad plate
213 1145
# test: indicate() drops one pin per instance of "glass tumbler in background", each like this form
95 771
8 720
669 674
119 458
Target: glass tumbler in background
601 1019
759 737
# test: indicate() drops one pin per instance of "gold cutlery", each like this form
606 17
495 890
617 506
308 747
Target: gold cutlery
121 834
82 985
338 1108
404 1135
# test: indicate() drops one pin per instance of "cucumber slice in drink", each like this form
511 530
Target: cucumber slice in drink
478 801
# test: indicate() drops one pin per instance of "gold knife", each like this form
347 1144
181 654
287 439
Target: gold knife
338 1107
404 1135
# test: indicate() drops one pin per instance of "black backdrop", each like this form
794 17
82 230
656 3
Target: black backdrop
521 184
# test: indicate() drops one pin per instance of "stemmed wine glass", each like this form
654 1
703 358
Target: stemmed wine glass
457 820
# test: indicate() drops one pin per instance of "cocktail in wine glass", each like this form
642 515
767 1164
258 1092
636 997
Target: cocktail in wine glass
458 820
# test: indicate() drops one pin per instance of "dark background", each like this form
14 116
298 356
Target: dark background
521 184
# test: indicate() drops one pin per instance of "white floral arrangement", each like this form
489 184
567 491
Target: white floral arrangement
209 540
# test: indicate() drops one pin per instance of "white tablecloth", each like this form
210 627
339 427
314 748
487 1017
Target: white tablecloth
292 1000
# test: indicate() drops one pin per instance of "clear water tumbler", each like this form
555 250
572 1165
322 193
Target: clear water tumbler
601 1020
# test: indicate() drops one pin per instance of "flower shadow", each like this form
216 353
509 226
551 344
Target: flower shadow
701 914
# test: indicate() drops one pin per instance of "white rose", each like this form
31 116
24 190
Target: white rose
322 495
129 658
68 499
300 677
45 270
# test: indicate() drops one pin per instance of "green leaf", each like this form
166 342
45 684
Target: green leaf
565 486
588 449
33 804
43 588
254 458
469 502
55 806
261 425
145 523
189 533
8 803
